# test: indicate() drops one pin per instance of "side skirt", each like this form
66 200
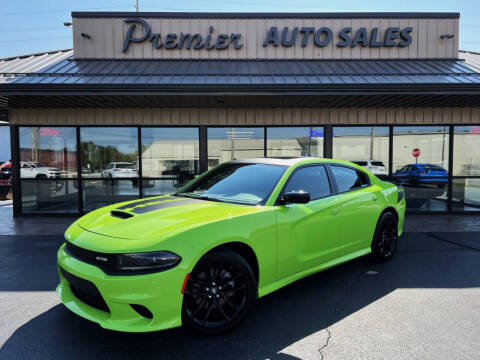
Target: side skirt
267 289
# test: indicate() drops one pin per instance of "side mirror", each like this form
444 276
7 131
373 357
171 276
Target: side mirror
296 198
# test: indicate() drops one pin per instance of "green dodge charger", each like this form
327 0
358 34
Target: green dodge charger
240 231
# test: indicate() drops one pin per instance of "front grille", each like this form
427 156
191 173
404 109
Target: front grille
106 262
85 291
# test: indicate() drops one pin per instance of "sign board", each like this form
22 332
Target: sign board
416 153
265 36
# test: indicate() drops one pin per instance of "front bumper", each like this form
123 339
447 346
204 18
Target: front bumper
159 292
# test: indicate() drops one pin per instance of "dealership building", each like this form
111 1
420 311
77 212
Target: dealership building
146 101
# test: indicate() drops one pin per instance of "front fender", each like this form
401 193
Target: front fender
256 230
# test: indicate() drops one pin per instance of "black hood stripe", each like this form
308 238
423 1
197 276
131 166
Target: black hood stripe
147 201
164 205
148 205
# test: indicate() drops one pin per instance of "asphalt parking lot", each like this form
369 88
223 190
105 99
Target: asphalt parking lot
425 304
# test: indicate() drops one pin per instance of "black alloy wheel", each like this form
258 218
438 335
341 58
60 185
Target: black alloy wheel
219 293
385 240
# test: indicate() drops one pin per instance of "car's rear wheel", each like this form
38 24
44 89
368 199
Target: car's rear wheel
219 293
385 239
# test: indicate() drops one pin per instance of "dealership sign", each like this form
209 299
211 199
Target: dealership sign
140 31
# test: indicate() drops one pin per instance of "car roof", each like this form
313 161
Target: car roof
290 161
282 160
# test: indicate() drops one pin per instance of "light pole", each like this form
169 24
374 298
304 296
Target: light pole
136 5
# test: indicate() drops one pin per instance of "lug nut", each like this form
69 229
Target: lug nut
207 289
213 283
209 296
218 296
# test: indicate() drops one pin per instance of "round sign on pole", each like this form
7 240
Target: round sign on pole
416 152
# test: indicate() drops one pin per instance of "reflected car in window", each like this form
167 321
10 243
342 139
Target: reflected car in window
120 170
33 170
422 174
202 255
374 166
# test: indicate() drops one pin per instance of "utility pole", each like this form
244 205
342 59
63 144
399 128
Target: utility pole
136 5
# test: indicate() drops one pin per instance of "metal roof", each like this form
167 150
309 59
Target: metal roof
62 69
57 79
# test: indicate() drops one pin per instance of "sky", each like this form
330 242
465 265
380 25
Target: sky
28 26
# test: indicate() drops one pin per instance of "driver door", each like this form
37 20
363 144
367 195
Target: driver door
308 234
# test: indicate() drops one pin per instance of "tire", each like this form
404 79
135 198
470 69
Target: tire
41 177
385 239
219 293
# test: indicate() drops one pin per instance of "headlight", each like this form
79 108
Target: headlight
158 261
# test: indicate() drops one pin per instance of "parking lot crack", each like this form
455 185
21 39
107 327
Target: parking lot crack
350 285
327 340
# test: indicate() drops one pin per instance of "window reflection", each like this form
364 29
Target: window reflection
466 152
98 193
48 152
109 153
295 141
466 195
367 146
424 176
225 144
171 156
49 196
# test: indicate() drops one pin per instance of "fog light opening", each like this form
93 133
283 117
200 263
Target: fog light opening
142 310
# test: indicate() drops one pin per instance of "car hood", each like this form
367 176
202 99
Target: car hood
158 216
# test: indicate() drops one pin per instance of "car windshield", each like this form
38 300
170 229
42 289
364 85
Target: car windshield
361 163
377 163
125 166
240 183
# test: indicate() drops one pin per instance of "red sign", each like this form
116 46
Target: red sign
416 152
475 131
48 132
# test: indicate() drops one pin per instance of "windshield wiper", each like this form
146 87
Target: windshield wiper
200 197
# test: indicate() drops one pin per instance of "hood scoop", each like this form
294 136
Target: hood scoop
120 214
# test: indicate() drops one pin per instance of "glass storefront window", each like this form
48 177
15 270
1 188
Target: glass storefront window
368 146
424 176
466 150
109 152
155 187
49 196
48 152
227 143
98 193
171 155
295 141
466 194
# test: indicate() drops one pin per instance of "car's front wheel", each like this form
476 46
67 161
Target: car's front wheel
385 239
219 293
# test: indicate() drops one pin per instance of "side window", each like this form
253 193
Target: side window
349 179
311 179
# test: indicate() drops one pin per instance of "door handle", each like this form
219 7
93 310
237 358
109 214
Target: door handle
336 211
